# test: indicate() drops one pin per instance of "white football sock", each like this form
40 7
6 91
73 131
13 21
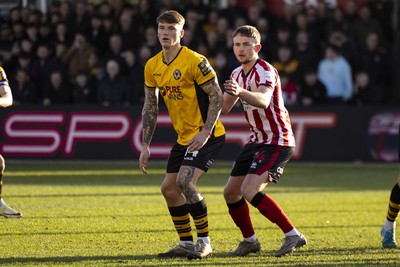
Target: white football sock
206 239
292 232
388 225
251 239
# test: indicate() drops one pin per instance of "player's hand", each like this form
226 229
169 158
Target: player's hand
144 158
3 77
232 87
198 140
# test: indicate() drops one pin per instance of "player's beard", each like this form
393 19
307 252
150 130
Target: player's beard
246 61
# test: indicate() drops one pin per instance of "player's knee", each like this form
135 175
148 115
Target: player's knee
229 195
167 191
2 164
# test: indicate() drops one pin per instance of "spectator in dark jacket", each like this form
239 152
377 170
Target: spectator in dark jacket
114 87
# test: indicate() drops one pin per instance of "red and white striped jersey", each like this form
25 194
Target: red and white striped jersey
270 125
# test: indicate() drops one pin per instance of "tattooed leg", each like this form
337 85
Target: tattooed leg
187 180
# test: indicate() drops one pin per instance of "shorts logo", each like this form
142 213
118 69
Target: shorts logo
260 157
177 74
194 154
204 67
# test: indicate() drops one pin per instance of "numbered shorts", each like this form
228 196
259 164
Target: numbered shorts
202 159
260 158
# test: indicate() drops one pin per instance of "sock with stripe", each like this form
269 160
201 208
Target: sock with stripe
393 208
200 218
181 219
240 214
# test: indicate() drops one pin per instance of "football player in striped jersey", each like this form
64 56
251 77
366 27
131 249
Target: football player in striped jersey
271 144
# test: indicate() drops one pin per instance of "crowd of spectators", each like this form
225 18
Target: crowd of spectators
83 52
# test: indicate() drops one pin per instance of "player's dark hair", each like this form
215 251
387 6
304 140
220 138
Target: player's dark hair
248 31
171 16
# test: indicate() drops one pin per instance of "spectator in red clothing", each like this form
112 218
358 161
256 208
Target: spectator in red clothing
289 90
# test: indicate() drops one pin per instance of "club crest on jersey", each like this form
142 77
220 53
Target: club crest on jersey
204 67
177 74
163 92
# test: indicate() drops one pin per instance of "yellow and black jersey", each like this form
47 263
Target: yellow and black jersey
179 84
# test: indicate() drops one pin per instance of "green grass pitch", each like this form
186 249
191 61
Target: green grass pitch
109 214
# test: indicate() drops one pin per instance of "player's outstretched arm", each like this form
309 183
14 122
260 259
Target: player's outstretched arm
6 98
149 120
214 110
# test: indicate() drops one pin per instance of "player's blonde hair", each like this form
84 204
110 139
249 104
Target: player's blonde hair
171 16
248 31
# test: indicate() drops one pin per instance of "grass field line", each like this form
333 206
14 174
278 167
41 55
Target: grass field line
79 173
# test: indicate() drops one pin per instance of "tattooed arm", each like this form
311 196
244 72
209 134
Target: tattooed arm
214 109
149 120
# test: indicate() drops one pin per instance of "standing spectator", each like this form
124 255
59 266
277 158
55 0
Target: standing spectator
337 21
83 91
45 33
348 48
222 67
281 38
312 91
287 63
24 91
232 11
135 76
151 40
32 34
58 92
363 93
335 73
115 52
97 36
80 19
304 53
42 67
76 57
365 24
61 33
126 30
113 89
271 144
374 61
136 72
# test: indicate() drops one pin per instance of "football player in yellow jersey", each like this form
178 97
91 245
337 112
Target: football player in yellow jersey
189 87
6 100
388 231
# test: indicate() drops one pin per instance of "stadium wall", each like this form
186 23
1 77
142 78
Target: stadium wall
326 134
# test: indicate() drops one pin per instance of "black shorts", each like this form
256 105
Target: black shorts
202 159
259 158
